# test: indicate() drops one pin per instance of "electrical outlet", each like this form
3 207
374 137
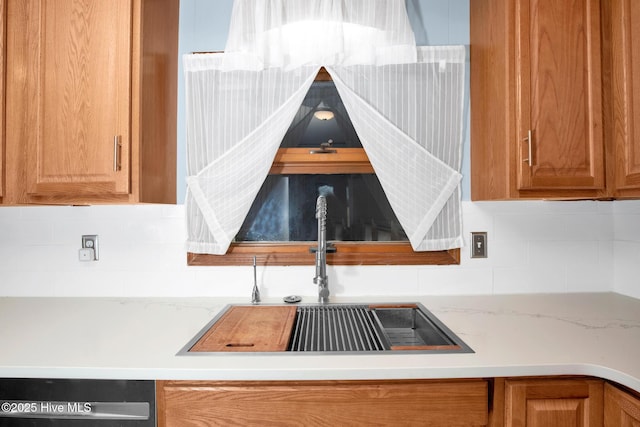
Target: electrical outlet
89 243
479 245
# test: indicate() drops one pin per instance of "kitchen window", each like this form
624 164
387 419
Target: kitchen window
408 118
322 154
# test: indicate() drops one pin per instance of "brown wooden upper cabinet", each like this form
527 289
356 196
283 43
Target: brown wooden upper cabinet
91 101
624 21
545 92
2 49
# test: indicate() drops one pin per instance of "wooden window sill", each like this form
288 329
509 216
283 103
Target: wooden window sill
347 253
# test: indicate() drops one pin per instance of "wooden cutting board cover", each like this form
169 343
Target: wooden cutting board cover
250 329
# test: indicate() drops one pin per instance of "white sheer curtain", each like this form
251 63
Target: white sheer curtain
406 109
409 119
235 122
290 33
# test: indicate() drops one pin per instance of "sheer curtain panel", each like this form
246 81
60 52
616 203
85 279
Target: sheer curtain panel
409 118
235 121
291 33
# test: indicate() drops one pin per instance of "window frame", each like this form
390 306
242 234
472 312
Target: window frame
347 253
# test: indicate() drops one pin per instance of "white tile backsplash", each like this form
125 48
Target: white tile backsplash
533 247
627 268
626 248
452 280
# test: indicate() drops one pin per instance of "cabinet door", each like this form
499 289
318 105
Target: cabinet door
625 47
551 403
559 105
69 85
2 47
620 409
327 403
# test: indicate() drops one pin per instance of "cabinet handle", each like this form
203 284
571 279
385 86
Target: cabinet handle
116 153
529 139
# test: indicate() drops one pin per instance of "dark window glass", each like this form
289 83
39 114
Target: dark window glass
284 210
357 210
307 130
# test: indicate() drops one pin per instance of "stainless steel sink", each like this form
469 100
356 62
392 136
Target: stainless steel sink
372 328
362 328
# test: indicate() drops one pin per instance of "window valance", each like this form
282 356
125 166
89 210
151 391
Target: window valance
291 33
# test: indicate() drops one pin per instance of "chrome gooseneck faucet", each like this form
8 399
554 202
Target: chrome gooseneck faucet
321 278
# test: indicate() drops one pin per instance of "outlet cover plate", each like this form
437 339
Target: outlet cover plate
90 241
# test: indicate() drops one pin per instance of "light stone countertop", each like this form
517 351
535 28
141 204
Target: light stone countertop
512 335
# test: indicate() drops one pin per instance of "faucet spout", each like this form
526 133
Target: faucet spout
321 278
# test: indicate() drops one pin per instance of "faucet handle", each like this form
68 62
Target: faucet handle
323 295
331 248
325 148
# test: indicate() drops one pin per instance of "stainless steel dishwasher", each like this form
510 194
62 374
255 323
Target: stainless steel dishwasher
77 402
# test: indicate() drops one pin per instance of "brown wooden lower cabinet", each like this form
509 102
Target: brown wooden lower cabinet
499 402
553 402
319 403
621 409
